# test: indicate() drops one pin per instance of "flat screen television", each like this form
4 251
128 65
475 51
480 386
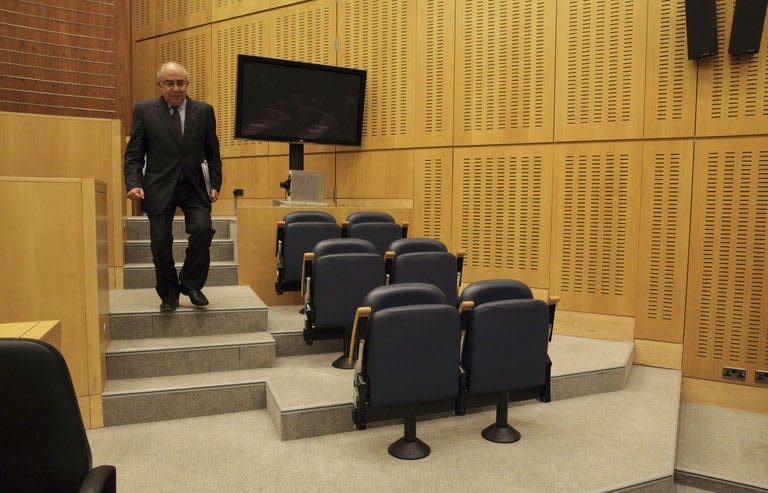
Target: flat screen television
298 102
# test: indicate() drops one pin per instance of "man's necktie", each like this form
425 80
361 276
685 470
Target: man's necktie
176 117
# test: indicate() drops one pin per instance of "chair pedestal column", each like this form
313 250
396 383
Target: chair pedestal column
409 447
500 431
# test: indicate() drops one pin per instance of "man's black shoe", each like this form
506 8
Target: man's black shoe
196 297
169 304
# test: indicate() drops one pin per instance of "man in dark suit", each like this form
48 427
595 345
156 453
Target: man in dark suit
171 136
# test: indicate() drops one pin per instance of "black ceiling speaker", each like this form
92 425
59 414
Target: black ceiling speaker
747 27
701 26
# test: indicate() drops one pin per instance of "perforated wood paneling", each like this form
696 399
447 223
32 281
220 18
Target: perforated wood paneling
670 77
376 36
594 241
144 18
192 49
144 70
501 212
246 35
432 210
733 91
600 69
228 9
304 33
663 241
433 99
173 15
504 71
726 317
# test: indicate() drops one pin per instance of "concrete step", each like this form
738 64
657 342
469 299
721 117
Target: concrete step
286 324
137 227
137 276
135 314
139 251
142 400
139 358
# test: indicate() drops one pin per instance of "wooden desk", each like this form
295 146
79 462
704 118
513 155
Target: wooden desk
46 330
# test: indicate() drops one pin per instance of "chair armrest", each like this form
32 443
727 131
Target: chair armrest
389 259
551 306
101 479
344 229
280 236
361 322
405 228
459 267
306 272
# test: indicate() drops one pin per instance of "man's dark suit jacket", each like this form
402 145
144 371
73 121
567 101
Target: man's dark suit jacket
153 135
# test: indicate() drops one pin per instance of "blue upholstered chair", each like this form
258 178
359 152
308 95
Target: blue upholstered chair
504 351
409 354
338 273
425 260
297 233
377 227
43 445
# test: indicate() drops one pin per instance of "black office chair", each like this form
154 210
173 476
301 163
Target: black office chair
43 445
297 233
409 355
377 227
425 260
338 273
504 350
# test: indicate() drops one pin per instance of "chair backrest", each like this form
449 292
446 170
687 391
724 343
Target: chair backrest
344 270
370 217
411 353
300 237
380 234
425 260
43 446
309 216
505 347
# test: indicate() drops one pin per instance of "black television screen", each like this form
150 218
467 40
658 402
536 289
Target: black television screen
298 102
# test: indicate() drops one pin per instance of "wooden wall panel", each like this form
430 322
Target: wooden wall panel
670 83
60 59
726 316
228 9
505 71
733 89
595 231
375 175
379 37
434 76
432 208
144 74
304 33
245 35
68 147
191 48
663 241
144 19
502 210
56 257
600 67
174 15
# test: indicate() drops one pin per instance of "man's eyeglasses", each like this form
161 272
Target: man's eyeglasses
180 83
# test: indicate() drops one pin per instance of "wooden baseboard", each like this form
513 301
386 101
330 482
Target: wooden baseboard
730 395
594 325
659 354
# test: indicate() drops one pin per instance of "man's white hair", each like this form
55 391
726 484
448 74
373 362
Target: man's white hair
168 64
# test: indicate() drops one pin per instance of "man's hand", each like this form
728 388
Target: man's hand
135 193
214 195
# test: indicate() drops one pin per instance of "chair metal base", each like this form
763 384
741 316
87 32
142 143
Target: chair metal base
342 363
409 449
501 434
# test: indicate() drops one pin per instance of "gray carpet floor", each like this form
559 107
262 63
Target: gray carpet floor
594 443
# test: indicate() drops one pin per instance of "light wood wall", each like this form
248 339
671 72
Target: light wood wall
70 147
53 256
567 143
